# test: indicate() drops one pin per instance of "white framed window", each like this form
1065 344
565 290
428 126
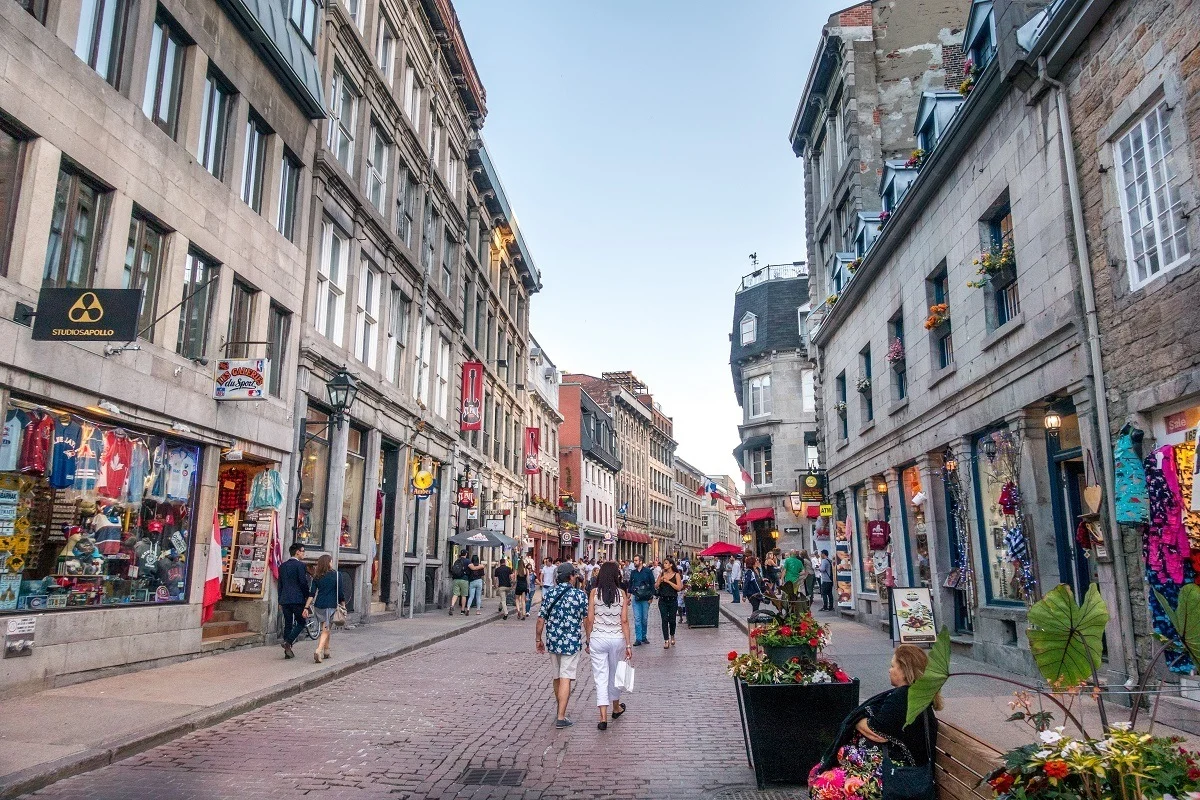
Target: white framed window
808 392
1156 238
406 205
355 9
441 392
377 167
816 171
435 141
452 175
412 96
385 49
760 466
760 395
749 329
421 365
331 282
397 334
366 317
254 161
344 99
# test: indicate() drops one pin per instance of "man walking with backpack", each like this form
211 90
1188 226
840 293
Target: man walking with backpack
641 588
561 622
460 572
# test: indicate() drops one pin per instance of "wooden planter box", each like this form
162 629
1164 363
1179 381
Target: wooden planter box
703 611
788 727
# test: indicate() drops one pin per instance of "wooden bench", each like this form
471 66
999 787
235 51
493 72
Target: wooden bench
962 764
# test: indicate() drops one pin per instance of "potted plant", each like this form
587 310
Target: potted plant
831 300
863 384
783 735
701 600
970 75
997 266
883 218
916 159
793 637
895 354
853 266
939 315
840 408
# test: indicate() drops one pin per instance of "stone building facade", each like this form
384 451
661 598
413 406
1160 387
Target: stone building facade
662 478
165 149
541 502
589 466
689 515
719 517
956 339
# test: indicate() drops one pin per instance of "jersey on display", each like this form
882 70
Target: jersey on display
181 468
66 443
87 459
10 447
35 449
114 464
139 471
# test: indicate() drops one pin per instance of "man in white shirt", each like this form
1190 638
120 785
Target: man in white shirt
735 579
547 575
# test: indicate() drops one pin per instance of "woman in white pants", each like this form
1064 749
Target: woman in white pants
608 637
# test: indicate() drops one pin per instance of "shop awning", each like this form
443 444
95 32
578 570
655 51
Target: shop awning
755 514
633 536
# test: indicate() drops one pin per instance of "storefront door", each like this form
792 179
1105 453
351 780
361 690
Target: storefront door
390 472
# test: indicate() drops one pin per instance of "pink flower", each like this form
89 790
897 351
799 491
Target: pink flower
837 778
853 784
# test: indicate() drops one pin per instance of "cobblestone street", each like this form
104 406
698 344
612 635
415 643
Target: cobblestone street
411 727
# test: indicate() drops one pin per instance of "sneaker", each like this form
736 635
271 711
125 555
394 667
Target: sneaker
452 612
563 723
637 644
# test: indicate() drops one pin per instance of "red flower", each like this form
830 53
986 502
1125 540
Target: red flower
732 655
841 677
1056 769
803 627
1002 782
754 633
785 630
1193 774
799 677
814 642
794 660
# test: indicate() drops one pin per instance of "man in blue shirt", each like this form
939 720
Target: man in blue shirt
641 589
561 622
293 594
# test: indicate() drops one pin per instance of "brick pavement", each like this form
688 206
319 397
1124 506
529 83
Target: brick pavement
409 727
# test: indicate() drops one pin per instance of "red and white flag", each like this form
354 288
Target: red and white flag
212 581
275 557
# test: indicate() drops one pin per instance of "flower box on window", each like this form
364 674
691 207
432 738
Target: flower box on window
863 384
939 315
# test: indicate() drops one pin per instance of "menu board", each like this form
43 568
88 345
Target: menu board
844 565
251 546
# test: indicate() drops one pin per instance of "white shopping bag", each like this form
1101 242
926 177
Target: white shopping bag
624 679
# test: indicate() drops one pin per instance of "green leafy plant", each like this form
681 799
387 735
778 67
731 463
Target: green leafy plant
922 691
1067 641
701 583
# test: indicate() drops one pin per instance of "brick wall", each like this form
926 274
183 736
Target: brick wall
1141 50
858 16
952 62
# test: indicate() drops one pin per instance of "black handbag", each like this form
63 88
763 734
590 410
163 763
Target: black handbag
909 783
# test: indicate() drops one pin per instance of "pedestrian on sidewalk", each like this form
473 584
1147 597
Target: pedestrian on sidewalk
826 575
531 581
548 572
460 573
668 586
752 584
475 584
324 597
293 597
608 639
641 587
560 631
522 594
770 569
502 575
880 721
792 567
735 579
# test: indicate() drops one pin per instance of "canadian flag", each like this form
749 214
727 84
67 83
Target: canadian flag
212 582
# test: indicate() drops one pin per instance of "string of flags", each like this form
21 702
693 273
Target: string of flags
711 489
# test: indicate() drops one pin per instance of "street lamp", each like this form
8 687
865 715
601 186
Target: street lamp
774 534
989 449
746 538
342 390
796 502
948 460
1053 421
881 487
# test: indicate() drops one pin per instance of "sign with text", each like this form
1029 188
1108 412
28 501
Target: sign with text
240 379
812 488
18 638
533 441
87 315
472 396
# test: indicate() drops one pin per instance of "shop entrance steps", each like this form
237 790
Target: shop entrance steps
222 623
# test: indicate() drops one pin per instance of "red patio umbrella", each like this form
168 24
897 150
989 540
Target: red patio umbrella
721 549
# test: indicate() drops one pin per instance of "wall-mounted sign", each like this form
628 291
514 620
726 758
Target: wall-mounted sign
533 442
565 537
827 509
472 513
812 488
466 497
241 379
87 315
609 537
18 638
472 396
495 524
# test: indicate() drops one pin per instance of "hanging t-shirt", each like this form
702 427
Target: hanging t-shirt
231 490
66 445
35 449
87 458
10 447
139 468
114 464
157 480
181 468
266 491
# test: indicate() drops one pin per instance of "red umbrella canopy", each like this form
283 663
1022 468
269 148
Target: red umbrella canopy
721 549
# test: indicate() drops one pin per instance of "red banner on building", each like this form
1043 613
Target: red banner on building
533 441
472 396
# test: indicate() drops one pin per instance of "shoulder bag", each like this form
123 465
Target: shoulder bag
339 613
909 783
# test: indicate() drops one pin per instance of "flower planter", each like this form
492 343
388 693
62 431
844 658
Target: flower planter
703 610
787 728
1003 276
781 655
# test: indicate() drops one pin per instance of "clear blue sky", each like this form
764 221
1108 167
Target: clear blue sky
643 146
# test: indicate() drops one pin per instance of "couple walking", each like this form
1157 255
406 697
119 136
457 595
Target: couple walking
597 622
644 586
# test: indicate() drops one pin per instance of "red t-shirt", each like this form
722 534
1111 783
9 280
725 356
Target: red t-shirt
114 464
35 449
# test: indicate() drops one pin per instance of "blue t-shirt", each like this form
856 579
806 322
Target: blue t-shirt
87 459
66 444
564 624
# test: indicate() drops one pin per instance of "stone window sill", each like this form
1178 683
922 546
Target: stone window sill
1003 332
842 444
897 406
865 428
940 375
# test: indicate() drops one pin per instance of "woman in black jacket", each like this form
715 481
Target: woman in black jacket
879 723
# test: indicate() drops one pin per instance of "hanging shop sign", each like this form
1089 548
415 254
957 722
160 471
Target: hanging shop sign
609 538
472 513
423 480
533 440
565 537
241 379
472 396
812 487
466 496
87 315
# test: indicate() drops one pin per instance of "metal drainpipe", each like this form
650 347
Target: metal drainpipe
1093 337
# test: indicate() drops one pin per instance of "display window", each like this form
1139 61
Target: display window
249 496
314 482
352 493
914 510
92 514
867 576
1001 573
432 517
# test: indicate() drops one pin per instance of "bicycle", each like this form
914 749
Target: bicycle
311 629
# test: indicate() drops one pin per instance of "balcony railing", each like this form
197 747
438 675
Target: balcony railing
774 272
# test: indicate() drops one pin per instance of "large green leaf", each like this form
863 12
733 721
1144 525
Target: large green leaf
1066 641
922 691
1186 618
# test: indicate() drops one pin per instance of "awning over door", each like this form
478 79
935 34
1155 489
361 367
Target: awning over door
755 514
633 536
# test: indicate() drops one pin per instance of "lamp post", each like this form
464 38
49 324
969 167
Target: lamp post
341 390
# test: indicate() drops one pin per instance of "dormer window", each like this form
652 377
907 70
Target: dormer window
749 329
979 39
934 114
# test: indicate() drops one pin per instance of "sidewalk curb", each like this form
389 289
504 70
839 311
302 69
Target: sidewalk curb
732 617
29 780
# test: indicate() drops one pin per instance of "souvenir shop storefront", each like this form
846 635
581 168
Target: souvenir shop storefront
250 500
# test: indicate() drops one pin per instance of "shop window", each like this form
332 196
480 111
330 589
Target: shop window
214 123
869 582
289 195
314 481
279 327
1152 205
144 257
254 162
96 516
164 75
12 161
80 206
915 502
195 311
305 15
1001 576
100 41
352 493
343 118
241 320
366 323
